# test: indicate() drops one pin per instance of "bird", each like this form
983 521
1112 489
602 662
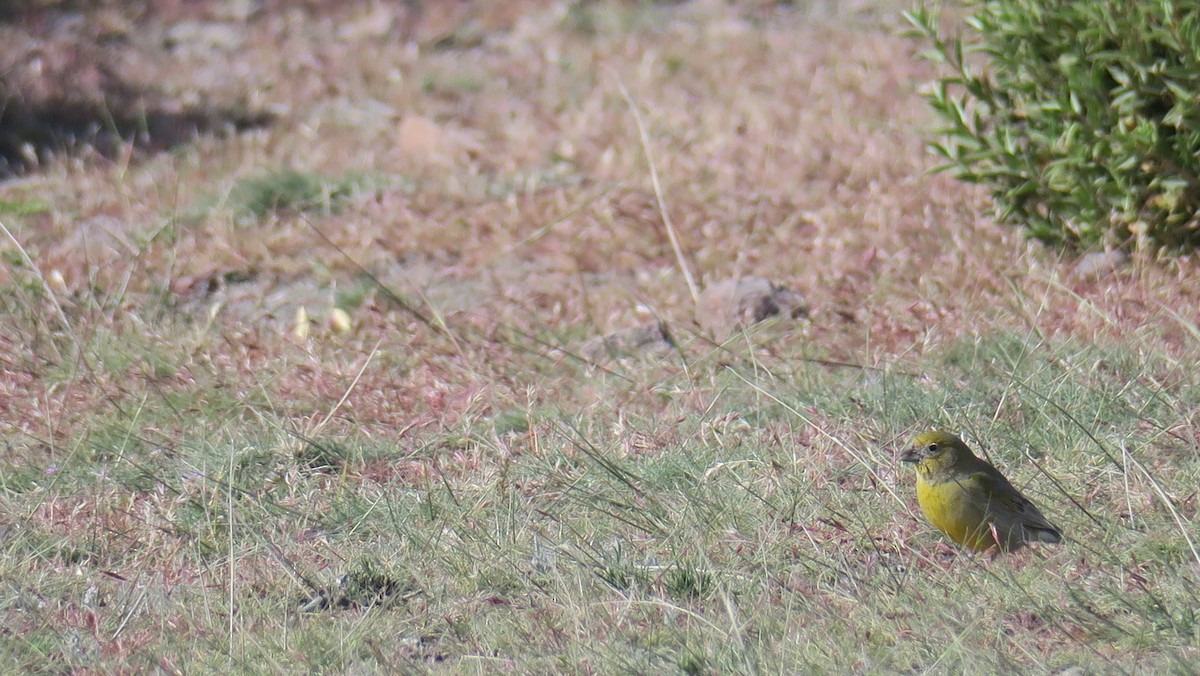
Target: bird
970 501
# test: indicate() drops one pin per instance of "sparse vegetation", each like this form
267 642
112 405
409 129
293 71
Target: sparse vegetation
290 190
455 482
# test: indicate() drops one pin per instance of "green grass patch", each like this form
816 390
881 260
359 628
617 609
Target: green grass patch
761 525
292 190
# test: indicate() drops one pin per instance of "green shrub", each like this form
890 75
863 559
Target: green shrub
1081 116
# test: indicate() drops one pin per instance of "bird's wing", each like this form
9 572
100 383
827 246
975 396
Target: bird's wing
1006 504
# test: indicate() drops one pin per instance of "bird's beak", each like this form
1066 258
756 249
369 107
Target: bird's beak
910 456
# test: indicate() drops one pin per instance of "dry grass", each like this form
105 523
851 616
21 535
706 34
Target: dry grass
183 470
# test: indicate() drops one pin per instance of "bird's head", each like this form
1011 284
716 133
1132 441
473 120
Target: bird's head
933 451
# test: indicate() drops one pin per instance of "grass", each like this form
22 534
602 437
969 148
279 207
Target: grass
765 526
457 483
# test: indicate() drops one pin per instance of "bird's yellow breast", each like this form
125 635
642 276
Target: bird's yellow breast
949 507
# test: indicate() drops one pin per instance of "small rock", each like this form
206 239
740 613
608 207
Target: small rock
419 135
203 37
339 321
650 340
743 301
110 24
300 325
1100 264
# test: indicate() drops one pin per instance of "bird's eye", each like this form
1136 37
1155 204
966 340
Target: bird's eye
932 448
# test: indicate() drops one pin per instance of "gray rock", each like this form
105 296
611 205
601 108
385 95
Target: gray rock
648 341
744 301
1100 264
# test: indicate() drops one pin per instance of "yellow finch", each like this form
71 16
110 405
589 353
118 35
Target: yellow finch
969 500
